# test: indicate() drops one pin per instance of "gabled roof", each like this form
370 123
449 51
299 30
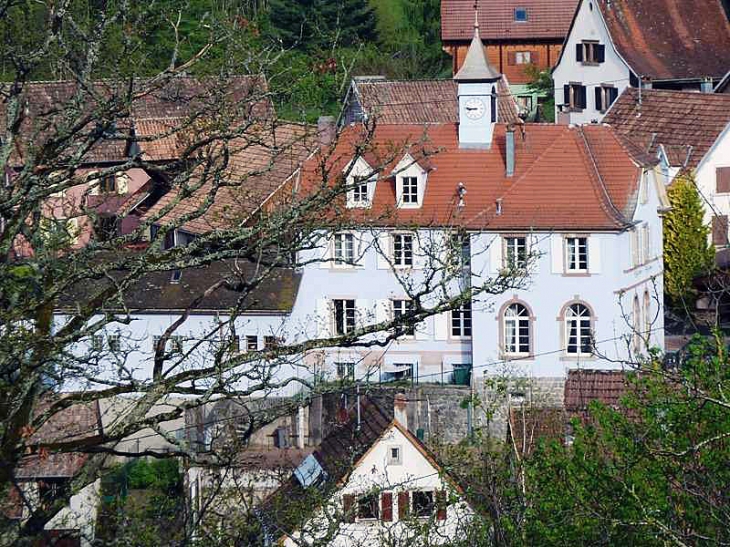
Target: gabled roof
669 39
546 19
150 104
422 101
260 162
686 124
292 505
565 178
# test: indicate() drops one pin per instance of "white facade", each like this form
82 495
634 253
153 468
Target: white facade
715 203
378 474
588 26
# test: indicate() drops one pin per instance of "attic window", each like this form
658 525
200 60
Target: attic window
521 15
175 277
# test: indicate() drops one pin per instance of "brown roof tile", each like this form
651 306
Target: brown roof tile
258 166
685 123
565 177
545 19
670 39
422 101
584 386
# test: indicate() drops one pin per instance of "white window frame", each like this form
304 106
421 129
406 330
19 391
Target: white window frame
395 459
403 258
400 307
523 57
349 316
410 191
407 168
569 263
461 322
361 181
512 247
583 329
512 326
343 250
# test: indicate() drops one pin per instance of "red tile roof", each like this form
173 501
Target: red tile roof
258 165
173 100
685 123
422 101
565 177
670 39
545 19
584 386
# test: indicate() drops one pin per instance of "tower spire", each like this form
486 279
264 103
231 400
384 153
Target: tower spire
476 67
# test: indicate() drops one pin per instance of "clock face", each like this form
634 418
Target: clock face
474 108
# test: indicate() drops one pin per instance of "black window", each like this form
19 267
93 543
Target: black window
461 321
410 190
515 252
114 342
605 96
521 15
346 371
575 96
590 53
252 342
108 184
271 342
344 316
423 503
368 507
52 489
400 309
403 249
576 254
107 228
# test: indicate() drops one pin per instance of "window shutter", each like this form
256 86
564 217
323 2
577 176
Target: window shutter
328 252
556 253
363 314
422 330
719 230
534 250
441 326
382 311
599 103
511 58
404 505
566 94
582 97
612 96
384 250
420 260
535 57
324 319
634 248
579 52
495 254
348 507
600 50
386 502
594 255
440 505
722 175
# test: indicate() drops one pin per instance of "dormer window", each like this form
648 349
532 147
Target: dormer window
410 190
108 184
360 184
521 15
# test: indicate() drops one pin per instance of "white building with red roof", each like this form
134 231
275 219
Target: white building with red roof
559 238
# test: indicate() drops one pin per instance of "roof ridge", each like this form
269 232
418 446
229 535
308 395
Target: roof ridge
607 202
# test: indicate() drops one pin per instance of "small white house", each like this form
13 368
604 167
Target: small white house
370 481
690 134
615 44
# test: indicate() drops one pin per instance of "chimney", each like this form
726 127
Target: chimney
510 151
400 409
326 129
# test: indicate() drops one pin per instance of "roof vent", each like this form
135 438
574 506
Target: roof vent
499 206
461 192
175 277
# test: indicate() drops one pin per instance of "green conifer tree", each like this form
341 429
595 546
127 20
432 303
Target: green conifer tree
687 253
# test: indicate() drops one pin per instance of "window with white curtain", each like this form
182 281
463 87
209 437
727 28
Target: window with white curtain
516 330
578 331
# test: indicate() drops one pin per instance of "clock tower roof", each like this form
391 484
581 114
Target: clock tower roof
476 67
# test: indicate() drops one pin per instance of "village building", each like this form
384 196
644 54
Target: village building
659 44
370 480
517 34
689 133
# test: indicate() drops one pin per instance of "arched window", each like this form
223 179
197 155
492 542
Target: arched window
578 336
636 325
516 330
647 316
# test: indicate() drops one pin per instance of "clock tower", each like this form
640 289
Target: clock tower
477 82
